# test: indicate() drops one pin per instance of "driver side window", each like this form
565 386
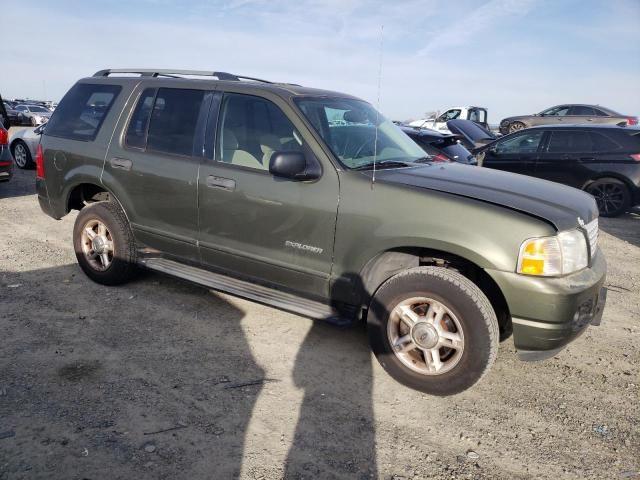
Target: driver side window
522 143
557 111
251 129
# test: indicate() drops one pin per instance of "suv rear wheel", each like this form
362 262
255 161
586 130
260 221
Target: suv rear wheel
104 245
433 330
612 196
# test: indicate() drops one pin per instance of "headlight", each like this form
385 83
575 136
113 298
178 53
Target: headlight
548 256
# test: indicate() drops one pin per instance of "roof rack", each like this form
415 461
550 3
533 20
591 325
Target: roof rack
154 72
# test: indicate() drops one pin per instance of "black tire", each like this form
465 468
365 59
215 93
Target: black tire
516 127
123 263
27 163
612 196
464 300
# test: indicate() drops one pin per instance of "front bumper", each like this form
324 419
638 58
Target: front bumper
548 313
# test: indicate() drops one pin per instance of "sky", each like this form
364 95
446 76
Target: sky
406 56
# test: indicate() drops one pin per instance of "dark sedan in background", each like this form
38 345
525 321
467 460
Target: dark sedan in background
567 114
441 147
603 160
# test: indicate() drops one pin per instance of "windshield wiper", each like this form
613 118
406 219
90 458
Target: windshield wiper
384 164
425 159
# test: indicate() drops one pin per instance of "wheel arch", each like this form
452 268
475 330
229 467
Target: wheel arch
390 262
84 193
612 175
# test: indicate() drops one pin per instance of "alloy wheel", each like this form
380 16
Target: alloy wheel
97 245
425 335
20 155
610 197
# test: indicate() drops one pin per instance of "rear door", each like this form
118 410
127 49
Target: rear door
567 157
581 114
515 153
152 165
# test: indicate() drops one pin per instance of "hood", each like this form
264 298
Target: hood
555 203
473 135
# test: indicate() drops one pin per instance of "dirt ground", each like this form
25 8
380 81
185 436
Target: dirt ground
164 379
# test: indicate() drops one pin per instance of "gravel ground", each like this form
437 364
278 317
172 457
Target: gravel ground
164 379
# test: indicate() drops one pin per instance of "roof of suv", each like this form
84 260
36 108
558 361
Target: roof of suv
181 77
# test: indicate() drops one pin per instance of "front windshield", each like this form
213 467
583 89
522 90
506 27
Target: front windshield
358 134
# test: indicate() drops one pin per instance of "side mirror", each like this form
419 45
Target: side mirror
292 165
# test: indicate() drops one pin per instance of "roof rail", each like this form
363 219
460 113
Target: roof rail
155 72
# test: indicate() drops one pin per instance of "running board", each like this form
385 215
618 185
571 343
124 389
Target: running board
240 288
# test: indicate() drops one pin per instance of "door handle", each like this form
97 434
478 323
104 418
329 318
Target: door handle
121 163
221 183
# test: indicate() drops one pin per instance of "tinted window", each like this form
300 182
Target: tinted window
139 123
579 142
251 129
600 113
523 143
602 143
21 108
584 111
174 119
82 111
34 108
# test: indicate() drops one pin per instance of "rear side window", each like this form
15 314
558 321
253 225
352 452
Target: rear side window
82 111
602 143
166 121
582 111
580 142
139 123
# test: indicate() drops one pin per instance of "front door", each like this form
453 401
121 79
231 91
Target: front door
271 230
153 168
515 153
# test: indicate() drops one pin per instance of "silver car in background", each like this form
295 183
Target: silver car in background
35 114
23 145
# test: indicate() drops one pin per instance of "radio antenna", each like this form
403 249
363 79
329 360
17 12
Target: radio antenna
375 144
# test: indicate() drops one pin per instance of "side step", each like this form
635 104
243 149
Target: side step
268 296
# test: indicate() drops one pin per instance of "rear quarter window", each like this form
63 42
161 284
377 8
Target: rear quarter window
80 114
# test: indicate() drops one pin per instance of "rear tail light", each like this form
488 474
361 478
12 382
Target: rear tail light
440 158
4 136
39 162
632 121
636 156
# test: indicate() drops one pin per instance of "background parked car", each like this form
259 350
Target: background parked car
567 114
35 114
6 164
442 147
603 160
439 122
23 146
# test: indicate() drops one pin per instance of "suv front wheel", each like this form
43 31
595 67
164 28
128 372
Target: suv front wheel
433 330
104 245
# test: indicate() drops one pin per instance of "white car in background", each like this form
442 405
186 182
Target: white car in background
23 145
438 122
36 114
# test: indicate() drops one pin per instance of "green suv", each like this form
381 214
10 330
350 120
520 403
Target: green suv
313 202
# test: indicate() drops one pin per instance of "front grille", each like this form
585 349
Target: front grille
592 233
